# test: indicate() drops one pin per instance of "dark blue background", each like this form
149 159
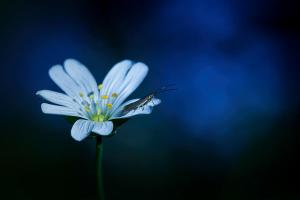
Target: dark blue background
230 131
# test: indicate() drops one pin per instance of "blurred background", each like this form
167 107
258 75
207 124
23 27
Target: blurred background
230 131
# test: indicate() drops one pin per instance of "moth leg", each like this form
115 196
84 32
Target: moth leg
152 102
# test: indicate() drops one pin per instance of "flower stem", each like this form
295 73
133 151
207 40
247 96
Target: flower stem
99 165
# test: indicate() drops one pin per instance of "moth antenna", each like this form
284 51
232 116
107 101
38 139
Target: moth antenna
165 89
166 86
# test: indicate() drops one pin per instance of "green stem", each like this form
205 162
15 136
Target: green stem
99 165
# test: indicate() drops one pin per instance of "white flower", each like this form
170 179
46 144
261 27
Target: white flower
94 105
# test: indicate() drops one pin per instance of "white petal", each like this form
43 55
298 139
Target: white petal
64 81
154 102
114 79
139 111
59 110
82 76
115 76
133 79
81 129
58 98
103 128
147 109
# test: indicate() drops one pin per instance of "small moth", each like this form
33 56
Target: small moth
145 100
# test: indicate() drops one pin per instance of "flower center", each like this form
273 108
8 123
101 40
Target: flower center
97 109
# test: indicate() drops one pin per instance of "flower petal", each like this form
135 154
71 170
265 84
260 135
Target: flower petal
57 98
154 102
81 129
103 128
133 79
138 111
147 109
82 76
114 79
64 81
59 110
115 76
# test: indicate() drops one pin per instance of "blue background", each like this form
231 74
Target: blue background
230 131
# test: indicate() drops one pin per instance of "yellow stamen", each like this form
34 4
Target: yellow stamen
109 105
81 94
114 95
98 111
100 86
104 97
91 96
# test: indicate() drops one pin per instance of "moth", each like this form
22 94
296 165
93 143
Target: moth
145 100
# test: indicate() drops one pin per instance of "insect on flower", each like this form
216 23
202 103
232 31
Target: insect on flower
96 106
150 98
